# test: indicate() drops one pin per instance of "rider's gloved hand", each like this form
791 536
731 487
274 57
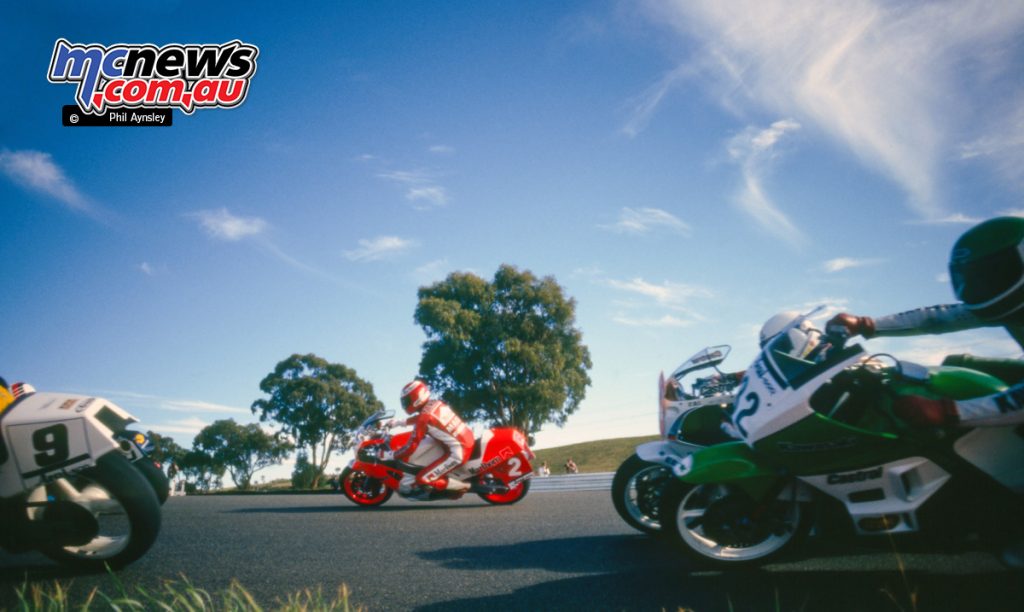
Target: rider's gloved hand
854 325
925 412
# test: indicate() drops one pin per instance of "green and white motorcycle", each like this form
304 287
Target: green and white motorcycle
821 447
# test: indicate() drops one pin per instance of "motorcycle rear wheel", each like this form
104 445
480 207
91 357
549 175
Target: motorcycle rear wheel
364 490
124 505
712 525
636 493
504 499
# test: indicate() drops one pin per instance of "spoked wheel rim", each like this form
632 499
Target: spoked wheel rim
364 489
642 495
713 523
115 524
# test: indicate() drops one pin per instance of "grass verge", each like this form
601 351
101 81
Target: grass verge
174 595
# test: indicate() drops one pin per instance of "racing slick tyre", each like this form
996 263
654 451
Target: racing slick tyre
156 477
124 506
636 492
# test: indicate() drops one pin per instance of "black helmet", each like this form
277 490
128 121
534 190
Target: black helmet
986 268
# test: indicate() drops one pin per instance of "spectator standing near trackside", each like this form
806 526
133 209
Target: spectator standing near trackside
543 471
571 467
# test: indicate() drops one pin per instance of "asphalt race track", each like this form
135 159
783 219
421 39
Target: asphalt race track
552 551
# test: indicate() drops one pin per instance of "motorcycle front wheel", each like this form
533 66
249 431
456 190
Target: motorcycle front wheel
364 490
636 493
125 508
721 525
156 478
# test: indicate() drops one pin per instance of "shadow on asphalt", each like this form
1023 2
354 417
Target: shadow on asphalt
756 590
647 574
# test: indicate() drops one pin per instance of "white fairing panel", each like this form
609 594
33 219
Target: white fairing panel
898 488
49 435
997 451
766 402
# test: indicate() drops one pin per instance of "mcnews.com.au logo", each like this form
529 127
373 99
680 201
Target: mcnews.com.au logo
133 84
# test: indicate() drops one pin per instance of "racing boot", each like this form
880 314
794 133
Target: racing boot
456 485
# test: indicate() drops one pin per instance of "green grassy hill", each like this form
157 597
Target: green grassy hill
596 456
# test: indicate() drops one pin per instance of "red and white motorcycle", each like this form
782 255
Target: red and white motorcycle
498 470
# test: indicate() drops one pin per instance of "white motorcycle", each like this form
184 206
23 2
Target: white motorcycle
682 420
67 487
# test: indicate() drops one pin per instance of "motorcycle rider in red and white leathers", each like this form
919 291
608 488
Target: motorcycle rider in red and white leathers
434 424
986 268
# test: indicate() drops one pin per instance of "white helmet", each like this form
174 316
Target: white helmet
803 338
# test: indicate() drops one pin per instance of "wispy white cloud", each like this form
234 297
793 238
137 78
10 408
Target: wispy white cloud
643 106
36 171
931 350
200 406
845 263
666 293
952 219
898 84
431 271
422 187
378 248
663 321
755 151
1012 212
408 177
649 301
432 194
132 398
1002 142
645 220
440 149
223 225
190 426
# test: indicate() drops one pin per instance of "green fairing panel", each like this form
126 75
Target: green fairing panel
727 462
819 445
961 383
734 463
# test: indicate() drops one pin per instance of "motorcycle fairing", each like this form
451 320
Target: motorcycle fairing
776 390
895 489
665 452
731 462
50 435
504 453
997 451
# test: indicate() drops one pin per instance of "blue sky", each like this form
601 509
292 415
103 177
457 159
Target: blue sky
683 169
